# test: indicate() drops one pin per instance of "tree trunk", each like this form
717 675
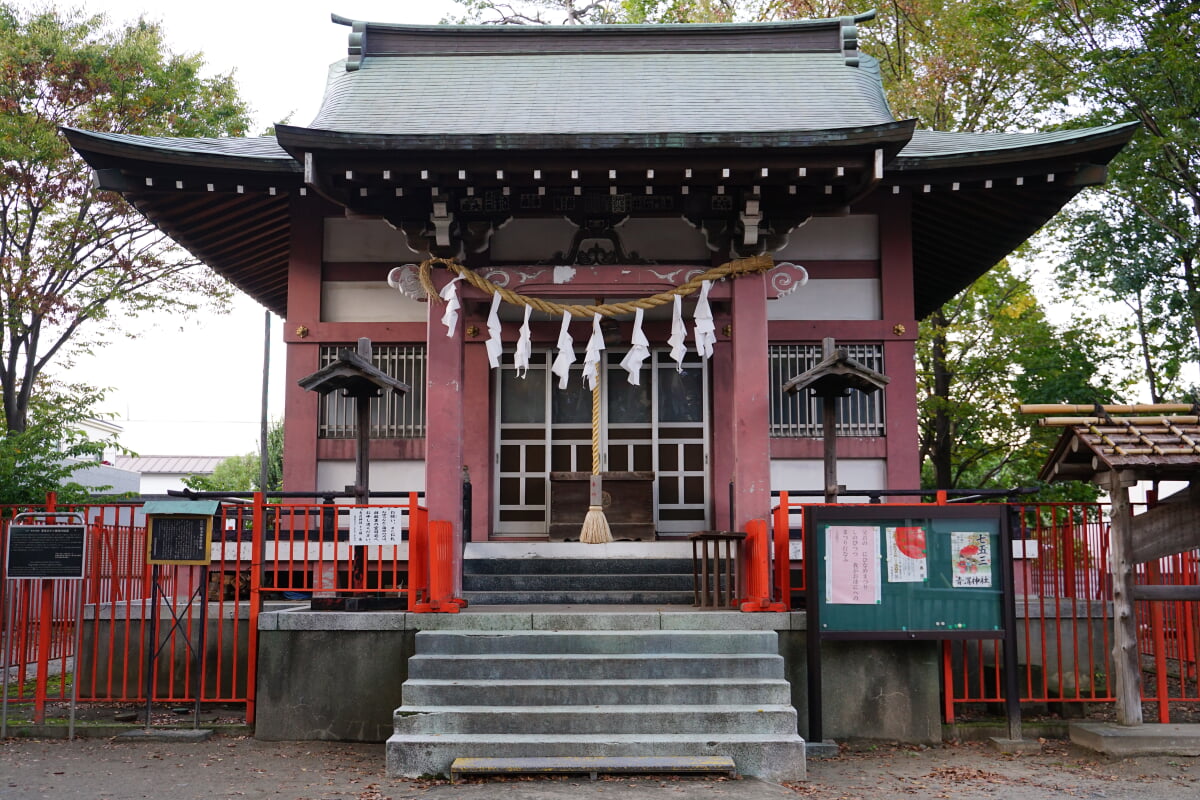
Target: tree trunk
941 451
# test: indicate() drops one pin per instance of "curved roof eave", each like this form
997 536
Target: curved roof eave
945 150
297 139
259 154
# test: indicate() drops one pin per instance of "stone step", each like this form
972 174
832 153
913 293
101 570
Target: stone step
593 767
646 691
637 598
770 757
576 566
575 582
621 719
495 666
612 642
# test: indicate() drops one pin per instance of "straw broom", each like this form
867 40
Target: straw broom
595 524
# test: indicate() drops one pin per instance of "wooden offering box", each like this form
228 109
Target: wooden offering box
628 504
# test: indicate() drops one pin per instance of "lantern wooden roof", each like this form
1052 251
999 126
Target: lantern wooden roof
668 118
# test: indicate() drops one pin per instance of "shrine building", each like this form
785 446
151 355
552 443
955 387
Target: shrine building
588 167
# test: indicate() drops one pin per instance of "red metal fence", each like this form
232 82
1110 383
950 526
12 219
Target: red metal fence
261 552
264 552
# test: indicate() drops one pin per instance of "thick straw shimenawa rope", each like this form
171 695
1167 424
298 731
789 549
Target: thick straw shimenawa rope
741 266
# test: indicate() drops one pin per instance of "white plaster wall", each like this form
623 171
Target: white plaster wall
664 240
789 474
830 298
532 239
365 240
159 483
385 476
368 301
851 238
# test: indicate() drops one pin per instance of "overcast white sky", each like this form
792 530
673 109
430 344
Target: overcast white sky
193 386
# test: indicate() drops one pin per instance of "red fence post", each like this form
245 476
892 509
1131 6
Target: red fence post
783 551
759 569
258 543
418 557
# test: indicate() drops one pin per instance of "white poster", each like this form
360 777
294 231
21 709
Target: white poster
906 559
852 565
375 525
972 555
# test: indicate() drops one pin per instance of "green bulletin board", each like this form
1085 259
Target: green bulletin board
914 571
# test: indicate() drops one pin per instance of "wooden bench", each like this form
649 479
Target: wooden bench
593 766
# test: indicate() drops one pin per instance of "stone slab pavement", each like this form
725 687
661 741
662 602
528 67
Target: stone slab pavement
242 767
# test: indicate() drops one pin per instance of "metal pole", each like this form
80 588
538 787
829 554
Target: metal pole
7 615
263 463
152 650
78 655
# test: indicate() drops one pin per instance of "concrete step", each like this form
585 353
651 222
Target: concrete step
637 598
770 757
501 667
575 582
576 566
642 691
593 767
612 642
620 719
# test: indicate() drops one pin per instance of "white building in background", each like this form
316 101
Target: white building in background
160 473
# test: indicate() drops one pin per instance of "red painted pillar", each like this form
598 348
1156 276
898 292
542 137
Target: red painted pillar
750 401
445 426
722 455
899 351
477 448
303 313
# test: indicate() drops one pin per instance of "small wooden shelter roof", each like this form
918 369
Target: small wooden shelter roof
354 375
1162 445
836 375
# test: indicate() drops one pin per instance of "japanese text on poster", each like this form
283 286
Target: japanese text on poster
906 560
852 561
972 555
375 525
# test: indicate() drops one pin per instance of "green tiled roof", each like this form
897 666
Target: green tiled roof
583 93
928 146
257 147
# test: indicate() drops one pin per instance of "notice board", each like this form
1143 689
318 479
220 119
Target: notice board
179 539
46 551
908 571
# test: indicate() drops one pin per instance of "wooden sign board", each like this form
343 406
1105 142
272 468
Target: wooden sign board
179 540
37 552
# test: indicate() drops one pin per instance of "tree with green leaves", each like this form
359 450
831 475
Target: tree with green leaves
43 457
1138 241
242 473
988 347
74 262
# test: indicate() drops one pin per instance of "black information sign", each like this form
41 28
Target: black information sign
179 540
46 551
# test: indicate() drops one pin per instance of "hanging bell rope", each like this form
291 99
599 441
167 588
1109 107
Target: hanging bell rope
740 266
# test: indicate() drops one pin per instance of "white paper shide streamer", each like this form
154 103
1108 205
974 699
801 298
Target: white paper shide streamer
678 338
591 358
706 331
494 345
524 346
566 352
638 352
449 293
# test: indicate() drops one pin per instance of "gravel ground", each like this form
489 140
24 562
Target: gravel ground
238 767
